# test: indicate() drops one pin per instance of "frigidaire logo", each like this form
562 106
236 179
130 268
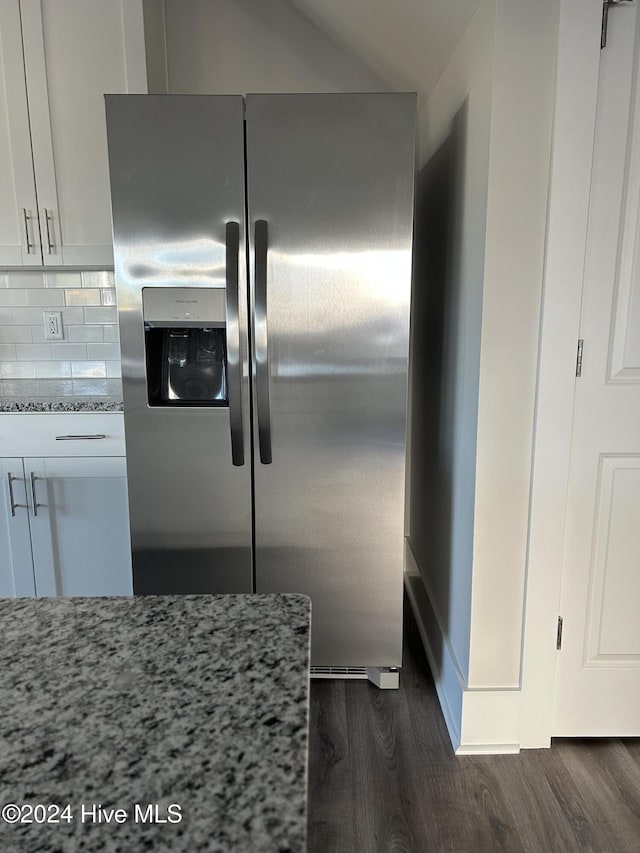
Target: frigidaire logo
187 301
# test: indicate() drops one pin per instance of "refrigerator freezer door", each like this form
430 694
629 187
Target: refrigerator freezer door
330 193
177 182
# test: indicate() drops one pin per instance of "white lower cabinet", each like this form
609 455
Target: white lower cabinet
64 529
16 563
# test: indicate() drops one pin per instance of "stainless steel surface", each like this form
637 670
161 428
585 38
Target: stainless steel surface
183 306
12 503
234 366
333 175
95 437
330 200
261 248
47 221
177 179
29 245
34 497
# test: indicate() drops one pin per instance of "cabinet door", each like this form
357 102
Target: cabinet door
79 525
16 566
19 232
75 51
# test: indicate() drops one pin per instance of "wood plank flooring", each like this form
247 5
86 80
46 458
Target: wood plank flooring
383 779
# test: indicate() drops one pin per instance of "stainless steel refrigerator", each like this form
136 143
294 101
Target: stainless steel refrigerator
262 263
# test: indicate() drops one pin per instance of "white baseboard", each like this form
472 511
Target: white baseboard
479 721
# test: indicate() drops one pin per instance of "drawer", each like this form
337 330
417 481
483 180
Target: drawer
62 434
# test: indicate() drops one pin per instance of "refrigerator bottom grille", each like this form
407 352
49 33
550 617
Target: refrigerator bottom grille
339 672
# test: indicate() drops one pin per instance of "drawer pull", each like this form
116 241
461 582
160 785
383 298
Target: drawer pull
80 437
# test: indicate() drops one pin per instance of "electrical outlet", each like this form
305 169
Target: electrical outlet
53 325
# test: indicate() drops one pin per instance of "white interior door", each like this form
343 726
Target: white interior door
597 690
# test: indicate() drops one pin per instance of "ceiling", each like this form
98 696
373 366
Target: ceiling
406 43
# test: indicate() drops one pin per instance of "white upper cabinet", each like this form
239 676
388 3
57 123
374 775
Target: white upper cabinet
59 58
19 232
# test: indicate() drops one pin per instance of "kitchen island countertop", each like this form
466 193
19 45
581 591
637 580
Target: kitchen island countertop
195 702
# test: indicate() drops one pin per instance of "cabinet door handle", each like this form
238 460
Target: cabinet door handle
12 503
80 437
30 245
48 218
33 493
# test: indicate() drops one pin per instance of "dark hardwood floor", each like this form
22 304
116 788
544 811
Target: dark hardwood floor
383 779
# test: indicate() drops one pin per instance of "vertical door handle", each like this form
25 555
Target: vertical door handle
263 406
234 365
29 244
47 225
12 502
33 493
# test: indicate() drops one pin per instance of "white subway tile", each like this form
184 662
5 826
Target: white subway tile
68 352
33 352
13 297
63 279
6 316
108 295
37 333
26 279
109 352
55 388
19 387
114 369
4 279
47 298
88 296
72 316
53 370
85 334
17 370
7 352
91 387
111 333
27 316
97 278
88 369
16 334
100 315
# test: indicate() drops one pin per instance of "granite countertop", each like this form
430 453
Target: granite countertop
70 405
61 395
197 702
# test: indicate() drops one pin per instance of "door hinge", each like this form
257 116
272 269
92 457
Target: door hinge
605 18
579 358
559 634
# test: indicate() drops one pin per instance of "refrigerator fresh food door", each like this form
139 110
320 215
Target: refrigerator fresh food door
330 197
177 183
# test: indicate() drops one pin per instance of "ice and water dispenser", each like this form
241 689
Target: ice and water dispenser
186 346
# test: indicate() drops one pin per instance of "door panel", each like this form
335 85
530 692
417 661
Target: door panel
598 670
19 233
16 565
177 178
80 526
332 176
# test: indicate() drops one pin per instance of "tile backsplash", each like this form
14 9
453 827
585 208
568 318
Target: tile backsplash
89 349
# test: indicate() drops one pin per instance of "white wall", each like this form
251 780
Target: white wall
442 534
240 46
504 69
